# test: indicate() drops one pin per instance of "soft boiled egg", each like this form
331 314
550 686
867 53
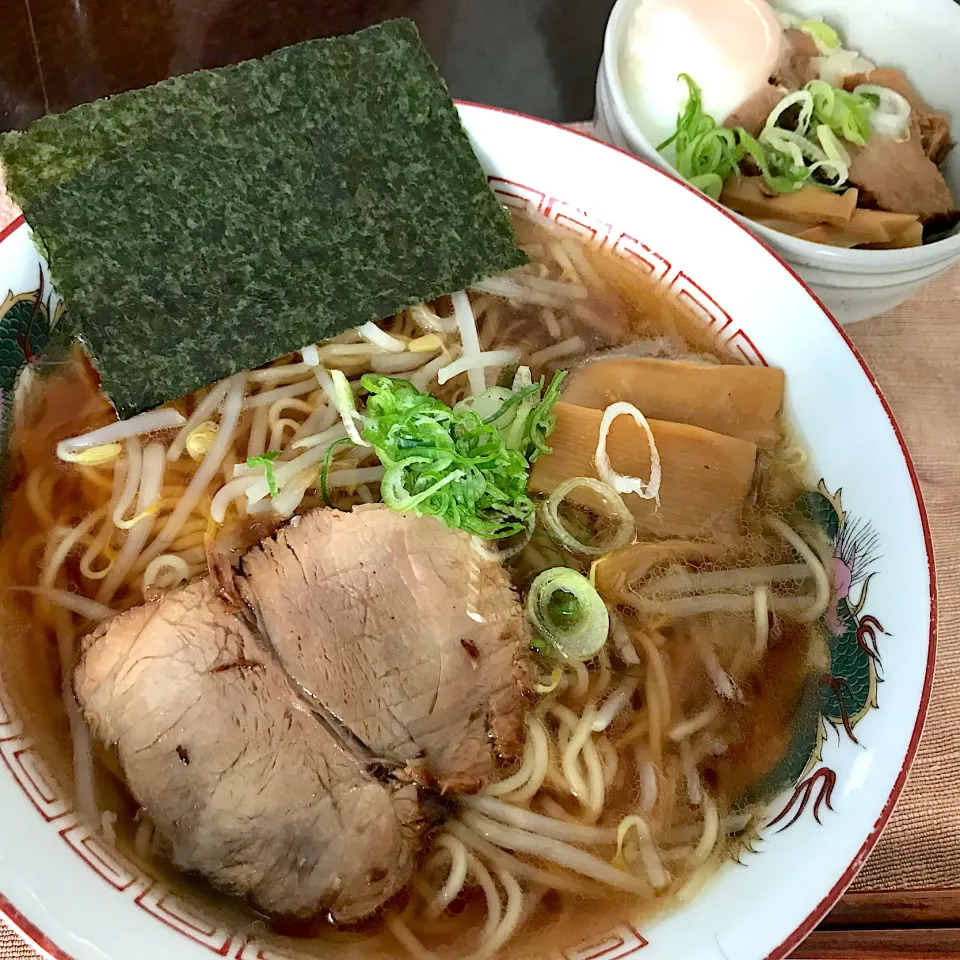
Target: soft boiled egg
729 47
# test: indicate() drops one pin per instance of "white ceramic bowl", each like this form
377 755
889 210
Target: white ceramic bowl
921 37
80 899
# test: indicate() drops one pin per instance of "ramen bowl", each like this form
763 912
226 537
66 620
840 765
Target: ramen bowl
74 895
920 40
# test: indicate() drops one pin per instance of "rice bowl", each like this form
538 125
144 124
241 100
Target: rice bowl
854 284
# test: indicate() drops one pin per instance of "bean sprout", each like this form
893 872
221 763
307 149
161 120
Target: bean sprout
151 422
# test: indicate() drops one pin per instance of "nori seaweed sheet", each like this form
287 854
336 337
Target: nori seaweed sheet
216 221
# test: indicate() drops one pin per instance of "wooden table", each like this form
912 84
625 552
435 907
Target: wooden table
539 57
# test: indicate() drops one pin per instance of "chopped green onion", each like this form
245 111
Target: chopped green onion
645 489
824 36
491 405
567 611
542 420
509 405
891 110
777 170
265 460
835 160
846 114
324 472
519 544
812 145
530 418
804 99
800 148
445 463
787 158
832 147
521 378
346 405
398 497
507 375
705 153
513 438
626 525
564 608
708 183
499 406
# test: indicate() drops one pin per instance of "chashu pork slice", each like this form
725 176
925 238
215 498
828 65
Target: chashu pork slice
404 630
247 786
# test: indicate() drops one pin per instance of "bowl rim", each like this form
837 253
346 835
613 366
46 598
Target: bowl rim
947 248
14 225
38 938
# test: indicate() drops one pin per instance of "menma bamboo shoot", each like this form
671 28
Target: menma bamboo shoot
736 399
706 476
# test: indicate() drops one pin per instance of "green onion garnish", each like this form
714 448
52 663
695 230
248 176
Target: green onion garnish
787 157
346 405
846 114
327 458
776 166
706 154
567 612
542 420
453 464
826 38
265 460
